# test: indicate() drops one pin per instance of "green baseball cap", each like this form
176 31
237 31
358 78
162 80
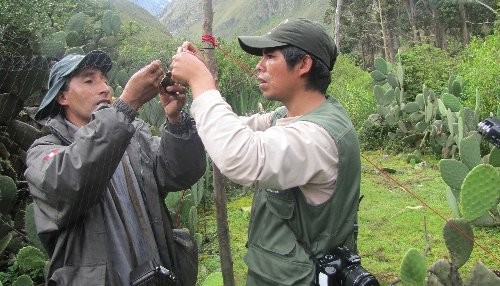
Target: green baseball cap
303 33
61 70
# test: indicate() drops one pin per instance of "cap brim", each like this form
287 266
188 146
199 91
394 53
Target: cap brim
97 59
254 44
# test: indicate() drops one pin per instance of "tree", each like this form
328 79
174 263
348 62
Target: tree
411 10
220 193
337 24
463 19
388 48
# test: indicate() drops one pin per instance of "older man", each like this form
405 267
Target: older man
99 179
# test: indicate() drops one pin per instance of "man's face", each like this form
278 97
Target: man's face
277 81
87 89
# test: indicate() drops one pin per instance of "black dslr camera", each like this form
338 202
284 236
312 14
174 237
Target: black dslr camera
343 268
152 274
490 129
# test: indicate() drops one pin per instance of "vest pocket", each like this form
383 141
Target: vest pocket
273 253
276 270
79 275
275 236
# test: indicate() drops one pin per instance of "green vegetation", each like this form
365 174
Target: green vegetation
392 221
423 108
425 64
479 68
352 87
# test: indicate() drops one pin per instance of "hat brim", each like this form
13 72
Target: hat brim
255 44
97 59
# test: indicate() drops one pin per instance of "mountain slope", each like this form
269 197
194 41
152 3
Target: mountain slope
183 18
151 29
154 7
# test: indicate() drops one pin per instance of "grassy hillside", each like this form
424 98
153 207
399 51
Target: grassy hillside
151 28
145 38
235 17
391 222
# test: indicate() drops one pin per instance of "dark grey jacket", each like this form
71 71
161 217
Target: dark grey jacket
67 180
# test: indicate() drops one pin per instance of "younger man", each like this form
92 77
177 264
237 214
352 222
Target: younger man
303 158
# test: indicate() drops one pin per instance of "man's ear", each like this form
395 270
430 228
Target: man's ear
305 64
62 99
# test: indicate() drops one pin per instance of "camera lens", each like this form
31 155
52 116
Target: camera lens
356 275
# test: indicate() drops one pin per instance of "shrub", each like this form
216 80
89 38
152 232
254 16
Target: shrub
479 68
352 87
424 64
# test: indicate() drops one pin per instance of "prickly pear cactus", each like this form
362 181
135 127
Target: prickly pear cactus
420 122
494 158
452 102
197 190
77 23
4 241
443 273
8 193
23 280
480 191
31 258
413 269
193 220
459 239
481 275
469 151
30 227
477 200
453 172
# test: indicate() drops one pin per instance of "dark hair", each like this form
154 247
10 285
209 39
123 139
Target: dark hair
56 108
319 77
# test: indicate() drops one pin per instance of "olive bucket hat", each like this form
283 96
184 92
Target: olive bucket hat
303 33
63 69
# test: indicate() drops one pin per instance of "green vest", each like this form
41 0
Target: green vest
274 256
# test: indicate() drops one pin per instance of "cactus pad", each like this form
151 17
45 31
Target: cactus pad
382 65
442 273
452 102
452 196
470 152
31 258
77 22
392 80
421 126
107 22
30 227
23 280
413 269
457 234
494 159
193 220
480 191
411 107
453 172
8 193
4 242
419 99
481 275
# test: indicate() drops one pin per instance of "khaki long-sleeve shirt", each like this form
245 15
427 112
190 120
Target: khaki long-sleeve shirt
249 151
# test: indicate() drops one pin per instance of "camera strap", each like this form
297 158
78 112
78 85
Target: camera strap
302 243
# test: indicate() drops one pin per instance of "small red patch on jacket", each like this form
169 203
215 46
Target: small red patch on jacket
51 154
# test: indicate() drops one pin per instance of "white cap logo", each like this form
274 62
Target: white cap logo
284 22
